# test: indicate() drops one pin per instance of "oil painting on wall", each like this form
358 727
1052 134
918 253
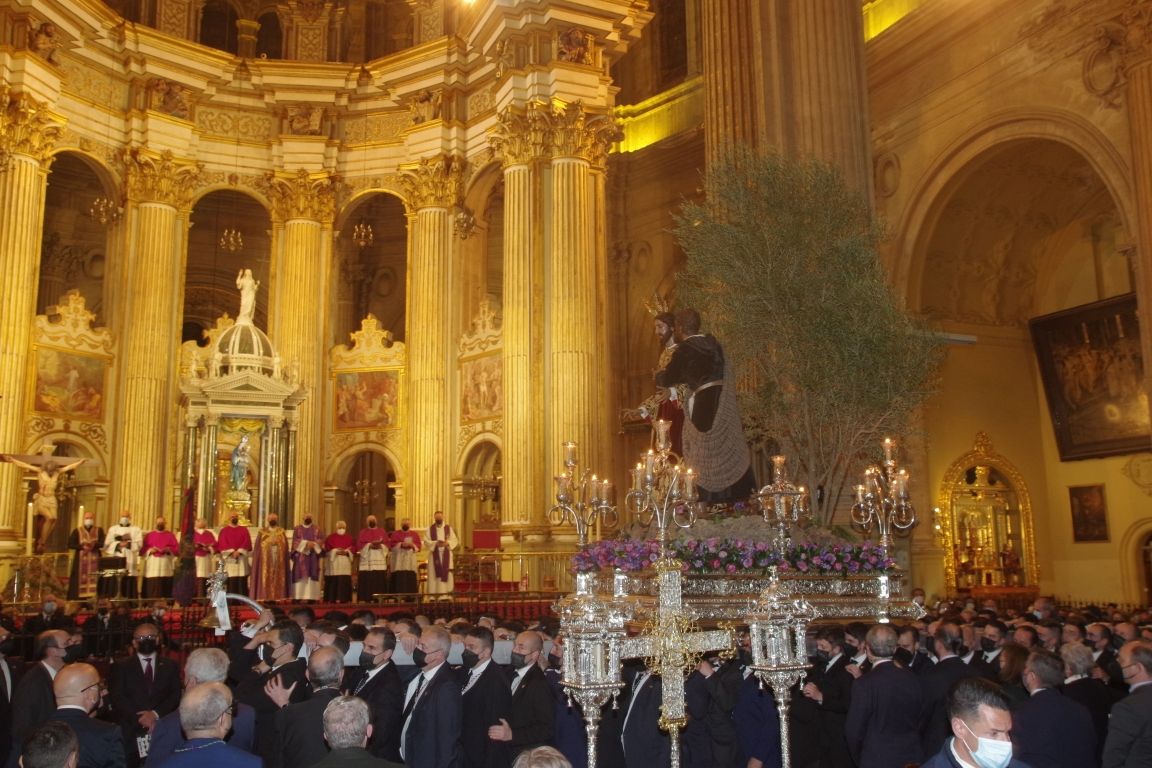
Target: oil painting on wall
367 399
481 388
69 384
1089 513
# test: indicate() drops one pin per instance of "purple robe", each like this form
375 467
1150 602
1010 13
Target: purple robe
305 565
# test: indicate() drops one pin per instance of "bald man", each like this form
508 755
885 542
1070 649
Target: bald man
78 691
530 717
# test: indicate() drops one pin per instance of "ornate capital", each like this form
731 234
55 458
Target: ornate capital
27 127
301 196
521 134
436 182
1120 44
161 178
576 133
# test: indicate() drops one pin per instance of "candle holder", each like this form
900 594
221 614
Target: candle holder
581 502
783 504
663 489
883 498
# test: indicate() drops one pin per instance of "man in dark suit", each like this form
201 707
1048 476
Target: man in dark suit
980 722
854 645
995 634
914 657
831 690
347 729
279 667
486 698
206 713
204 665
1093 693
882 727
33 701
78 692
300 726
377 682
143 687
430 736
948 645
1050 729
645 745
529 721
1129 742
8 680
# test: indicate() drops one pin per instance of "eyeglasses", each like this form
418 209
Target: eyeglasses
98 683
233 708
145 637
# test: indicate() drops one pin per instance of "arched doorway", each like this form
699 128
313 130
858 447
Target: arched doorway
366 487
478 491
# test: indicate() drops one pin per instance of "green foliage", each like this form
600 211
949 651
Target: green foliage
782 264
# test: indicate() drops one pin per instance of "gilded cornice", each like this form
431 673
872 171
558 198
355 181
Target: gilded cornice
435 182
302 195
521 134
154 178
27 127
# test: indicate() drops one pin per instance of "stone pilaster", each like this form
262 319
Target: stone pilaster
303 207
431 188
733 76
520 139
306 29
28 133
159 193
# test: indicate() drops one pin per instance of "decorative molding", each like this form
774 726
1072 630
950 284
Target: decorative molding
435 182
538 130
170 98
27 127
578 133
69 324
161 178
301 196
1138 469
235 123
372 347
383 126
486 333
1118 45
302 120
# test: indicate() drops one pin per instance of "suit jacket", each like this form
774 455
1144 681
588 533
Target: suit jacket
353 757
531 715
33 703
300 731
198 753
758 723
433 737
944 759
835 684
128 693
695 744
883 719
488 700
645 745
569 734
100 743
6 709
1098 699
1129 742
1053 731
250 691
167 734
935 726
384 694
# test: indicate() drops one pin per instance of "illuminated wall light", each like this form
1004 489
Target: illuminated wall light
879 15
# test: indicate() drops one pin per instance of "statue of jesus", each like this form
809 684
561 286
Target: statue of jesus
248 286
44 501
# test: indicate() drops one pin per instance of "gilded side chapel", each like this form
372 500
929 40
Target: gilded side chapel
402 251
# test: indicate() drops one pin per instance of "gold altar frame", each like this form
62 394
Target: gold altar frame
94 366
376 378
983 454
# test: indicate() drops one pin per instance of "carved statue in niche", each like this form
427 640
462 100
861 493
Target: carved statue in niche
425 106
169 97
303 120
43 42
573 46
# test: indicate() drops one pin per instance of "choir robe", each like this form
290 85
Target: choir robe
306 549
373 562
338 549
235 546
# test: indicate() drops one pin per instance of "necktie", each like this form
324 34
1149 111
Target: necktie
148 673
472 677
363 682
516 682
412 701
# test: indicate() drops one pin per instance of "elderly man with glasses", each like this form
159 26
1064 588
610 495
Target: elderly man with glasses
78 689
206 714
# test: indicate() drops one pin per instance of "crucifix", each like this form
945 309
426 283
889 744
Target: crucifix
48 471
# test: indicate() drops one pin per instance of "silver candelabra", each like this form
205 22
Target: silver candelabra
883 498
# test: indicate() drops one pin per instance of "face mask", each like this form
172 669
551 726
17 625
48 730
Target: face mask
470 658
990 753
234 520
987 644
1117 642
823 656
74 653
160 526
903 656
267 654
341 531
919 600
372 525
199 530
307 521
158 614
439 521
367 660
49 607
555 662
518 660
124 521
419 657
89 523
102 612
405 527
146 647
272 523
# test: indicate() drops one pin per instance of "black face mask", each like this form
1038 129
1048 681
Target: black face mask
272 523
367 660
823 656
160 527
146 647
903 656
555 662
419 657
405 527
518 660
307 521
74 653
267 654
235 520
470 659
987 644
371 525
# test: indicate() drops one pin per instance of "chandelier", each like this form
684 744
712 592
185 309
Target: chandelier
883 498
231 240
581 498
104 211
362 234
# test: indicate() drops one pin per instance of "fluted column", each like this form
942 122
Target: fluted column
830 116
573 392
159 188
303 205
735 86
28 133
519 139
431 188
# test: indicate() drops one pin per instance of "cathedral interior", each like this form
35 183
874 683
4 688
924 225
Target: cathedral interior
456 212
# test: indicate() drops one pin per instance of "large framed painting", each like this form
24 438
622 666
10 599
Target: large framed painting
69 384
481 388
367 399
1089 513
1093 376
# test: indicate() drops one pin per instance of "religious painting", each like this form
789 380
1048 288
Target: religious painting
367 399
1093 376
1089 513
69 384
481 388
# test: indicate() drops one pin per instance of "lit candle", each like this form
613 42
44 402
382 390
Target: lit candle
595 489
563 483
859 494
690 483
637 476
888 446
661 426
649 463
902 476
569 453
606 491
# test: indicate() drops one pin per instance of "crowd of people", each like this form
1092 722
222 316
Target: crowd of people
967 686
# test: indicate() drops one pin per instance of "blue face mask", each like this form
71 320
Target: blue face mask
990 753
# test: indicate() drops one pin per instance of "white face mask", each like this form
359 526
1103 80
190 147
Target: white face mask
990 753
124 521
341 531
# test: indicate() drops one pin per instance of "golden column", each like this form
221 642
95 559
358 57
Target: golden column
28 133
738 99
520 137
303 209
159 194
431 187
574 394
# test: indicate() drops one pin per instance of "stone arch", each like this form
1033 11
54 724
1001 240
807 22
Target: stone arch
478 490
1134 584
372 279
338 480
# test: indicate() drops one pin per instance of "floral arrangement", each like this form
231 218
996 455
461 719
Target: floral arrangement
736 545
